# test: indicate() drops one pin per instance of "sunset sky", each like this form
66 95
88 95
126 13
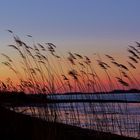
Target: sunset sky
83 26
98 25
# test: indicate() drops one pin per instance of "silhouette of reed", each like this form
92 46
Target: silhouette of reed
41 70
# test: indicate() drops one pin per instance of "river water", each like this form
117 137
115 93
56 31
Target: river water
119 118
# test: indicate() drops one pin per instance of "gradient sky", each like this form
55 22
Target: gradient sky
82 26
79 25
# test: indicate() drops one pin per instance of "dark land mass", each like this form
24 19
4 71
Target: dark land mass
16 126
22 99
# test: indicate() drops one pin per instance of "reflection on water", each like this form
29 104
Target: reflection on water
119 118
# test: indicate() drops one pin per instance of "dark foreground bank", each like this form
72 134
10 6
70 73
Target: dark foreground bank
14 126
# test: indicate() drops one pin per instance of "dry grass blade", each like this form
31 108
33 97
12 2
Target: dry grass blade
124 67
30 54
138 44
71 60
133 59
7 57
131 65
18 41
7 64
122 82
51 45
13 46
87 60
133 48
29 35
110 57
71 55
73 73
65 78
38 56
133 53
78 55
16 48
10 31
124 74
103 64
115 63
57 56
42 62
42 47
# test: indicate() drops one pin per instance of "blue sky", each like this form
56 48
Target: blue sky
80 25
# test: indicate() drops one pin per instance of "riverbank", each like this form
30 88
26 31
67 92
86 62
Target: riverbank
15 126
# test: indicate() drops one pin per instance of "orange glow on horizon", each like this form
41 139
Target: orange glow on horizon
40 68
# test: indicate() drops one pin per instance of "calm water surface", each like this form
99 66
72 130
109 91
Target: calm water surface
118 118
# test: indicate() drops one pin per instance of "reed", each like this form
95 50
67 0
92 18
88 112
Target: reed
44 71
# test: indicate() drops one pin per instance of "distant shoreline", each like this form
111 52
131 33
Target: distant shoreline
21 99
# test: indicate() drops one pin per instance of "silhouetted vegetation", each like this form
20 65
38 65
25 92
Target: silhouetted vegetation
18 126
43 74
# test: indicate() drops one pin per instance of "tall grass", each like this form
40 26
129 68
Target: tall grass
40 69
